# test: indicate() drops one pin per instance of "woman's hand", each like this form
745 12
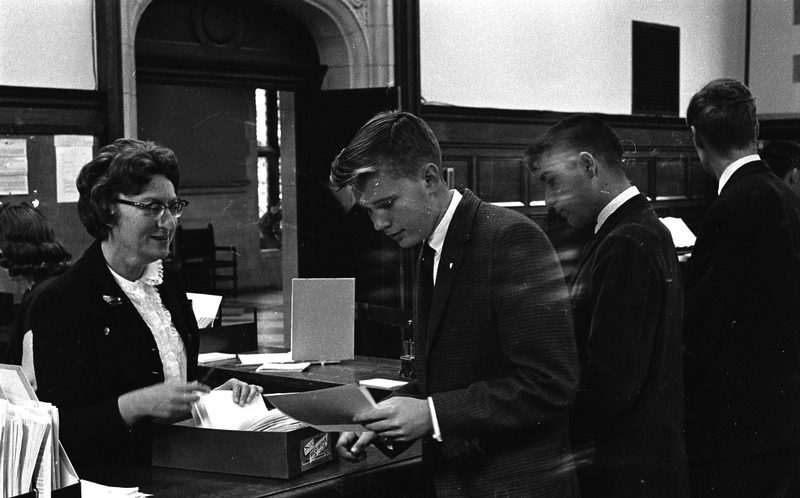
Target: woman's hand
243 393
170 400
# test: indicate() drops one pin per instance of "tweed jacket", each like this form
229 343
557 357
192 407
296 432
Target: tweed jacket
742 364
627 420
498 358
91 346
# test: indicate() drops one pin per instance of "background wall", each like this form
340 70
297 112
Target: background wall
47 43
774 42
567 55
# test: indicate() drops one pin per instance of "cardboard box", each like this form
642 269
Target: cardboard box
70 491
262 454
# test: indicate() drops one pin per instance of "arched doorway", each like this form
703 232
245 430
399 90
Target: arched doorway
197 64
353 39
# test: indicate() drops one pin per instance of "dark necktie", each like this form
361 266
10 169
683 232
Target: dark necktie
426 283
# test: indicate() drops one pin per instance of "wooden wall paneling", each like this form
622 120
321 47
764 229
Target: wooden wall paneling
27 110
779 129
659 159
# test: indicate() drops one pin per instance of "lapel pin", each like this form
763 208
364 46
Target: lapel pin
113 301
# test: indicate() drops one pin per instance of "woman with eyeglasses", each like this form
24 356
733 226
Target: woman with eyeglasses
115 338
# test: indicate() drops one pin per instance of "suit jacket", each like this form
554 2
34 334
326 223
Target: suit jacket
627 304
88 352
497 356
742 364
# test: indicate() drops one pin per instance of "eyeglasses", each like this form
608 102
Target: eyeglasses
155 210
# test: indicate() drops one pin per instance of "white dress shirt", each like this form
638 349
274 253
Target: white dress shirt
436 241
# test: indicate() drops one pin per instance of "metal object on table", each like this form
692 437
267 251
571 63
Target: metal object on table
407 361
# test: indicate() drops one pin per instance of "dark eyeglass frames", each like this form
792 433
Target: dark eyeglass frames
155 210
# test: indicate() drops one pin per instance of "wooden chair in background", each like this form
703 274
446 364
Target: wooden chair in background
201 262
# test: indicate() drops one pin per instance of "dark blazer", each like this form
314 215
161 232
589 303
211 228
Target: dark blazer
627 304
88 352
742 334
22 322
498 358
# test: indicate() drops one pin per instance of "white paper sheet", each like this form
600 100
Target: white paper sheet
212 357
283 367
13 166
261 358
205 307
72 152
682 236
382 383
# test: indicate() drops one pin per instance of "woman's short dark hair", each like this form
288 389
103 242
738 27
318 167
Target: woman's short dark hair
724 114
124 167
28 244
395 140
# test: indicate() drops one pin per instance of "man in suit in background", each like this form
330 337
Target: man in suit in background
742 362
627 304
783 158
496 367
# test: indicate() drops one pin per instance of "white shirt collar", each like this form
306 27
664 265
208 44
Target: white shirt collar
436 240
153 275
732 167
614 205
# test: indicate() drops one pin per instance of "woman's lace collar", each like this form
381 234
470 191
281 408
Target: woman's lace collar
153 275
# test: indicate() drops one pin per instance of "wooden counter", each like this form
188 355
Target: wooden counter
377 477
314 377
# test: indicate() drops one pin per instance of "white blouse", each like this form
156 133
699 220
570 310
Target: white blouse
145 297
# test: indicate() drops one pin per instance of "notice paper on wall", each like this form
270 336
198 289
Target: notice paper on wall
72 152
14 166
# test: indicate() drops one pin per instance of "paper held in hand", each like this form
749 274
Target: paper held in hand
329 410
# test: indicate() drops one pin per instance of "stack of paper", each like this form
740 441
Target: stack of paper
273 362
261 358
93 490
216 410
31 456
382 383
212 357
25 433
283 367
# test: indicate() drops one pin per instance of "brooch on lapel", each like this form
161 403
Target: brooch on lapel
113 301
